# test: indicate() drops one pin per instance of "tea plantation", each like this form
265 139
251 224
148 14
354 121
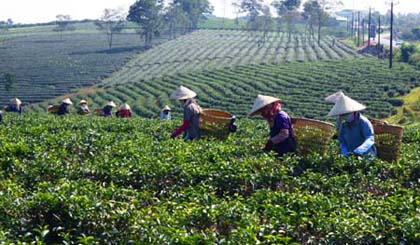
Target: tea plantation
89 180
301 86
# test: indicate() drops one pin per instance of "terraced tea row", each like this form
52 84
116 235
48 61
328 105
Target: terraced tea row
301 86
216 49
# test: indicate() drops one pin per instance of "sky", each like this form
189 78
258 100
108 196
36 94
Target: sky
37 11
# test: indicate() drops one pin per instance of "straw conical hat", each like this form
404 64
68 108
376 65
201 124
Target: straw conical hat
15 101
83 102
182 93
125 107
260 102
345 105
332 98
166 108
67 101
111 103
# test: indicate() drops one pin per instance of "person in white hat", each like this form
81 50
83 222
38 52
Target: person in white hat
124 111
83 108
64 107
107 110
281 139
15 105
165 114
191 123
356 134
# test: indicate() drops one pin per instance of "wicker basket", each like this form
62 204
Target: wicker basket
53 109
388 139
215 123
312 135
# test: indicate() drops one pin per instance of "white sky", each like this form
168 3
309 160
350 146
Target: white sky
30 11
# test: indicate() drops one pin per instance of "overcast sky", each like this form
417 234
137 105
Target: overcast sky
30 11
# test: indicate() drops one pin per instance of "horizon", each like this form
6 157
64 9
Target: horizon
43 11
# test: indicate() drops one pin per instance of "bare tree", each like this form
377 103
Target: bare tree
63 23
111 22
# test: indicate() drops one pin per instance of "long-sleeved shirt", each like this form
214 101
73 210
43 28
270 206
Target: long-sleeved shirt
357 137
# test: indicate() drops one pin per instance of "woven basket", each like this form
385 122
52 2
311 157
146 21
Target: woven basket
312 135
388 139
215 123
53 109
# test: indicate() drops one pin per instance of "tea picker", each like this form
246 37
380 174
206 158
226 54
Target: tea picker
281 138
356 135
192 110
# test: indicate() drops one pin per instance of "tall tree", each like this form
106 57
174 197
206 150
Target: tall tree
288 11
147 14
111 22
252 8
195 10
63 23
174 18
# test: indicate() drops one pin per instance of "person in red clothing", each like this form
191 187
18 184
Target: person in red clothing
124 111
281 138
191 123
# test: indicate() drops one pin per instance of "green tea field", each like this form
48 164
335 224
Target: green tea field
301 86
80 180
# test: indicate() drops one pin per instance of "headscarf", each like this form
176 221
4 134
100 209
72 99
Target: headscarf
268 112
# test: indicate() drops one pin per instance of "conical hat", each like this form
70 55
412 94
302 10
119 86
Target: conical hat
83 102
182 93
166 108
125 107
345 105
111 103
260 102
67 101
15 101
332 98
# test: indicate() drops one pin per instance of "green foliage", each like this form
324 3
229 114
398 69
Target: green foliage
301 86
103 180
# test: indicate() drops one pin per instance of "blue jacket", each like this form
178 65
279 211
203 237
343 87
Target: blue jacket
357 137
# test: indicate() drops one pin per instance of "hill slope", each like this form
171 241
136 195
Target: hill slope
302 87
216 49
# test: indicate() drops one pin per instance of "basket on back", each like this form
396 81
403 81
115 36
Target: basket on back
53 109
215 123
388 139
312 135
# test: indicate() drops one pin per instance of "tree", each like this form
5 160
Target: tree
416 33
111 22
63 23
147 14
195 10
252 8
288 10
174 17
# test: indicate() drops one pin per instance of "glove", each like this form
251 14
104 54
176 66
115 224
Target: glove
180 129
268 146
344 150
363 148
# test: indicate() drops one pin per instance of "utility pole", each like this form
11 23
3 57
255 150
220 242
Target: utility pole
390 40
358 28
363 31
379 36
369 26
352 24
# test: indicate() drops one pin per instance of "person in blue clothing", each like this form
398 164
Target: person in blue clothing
64 107
107 110
356 134
281 138
15 105
1 116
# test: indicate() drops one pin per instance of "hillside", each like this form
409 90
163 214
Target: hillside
102 180
216 49
47 65
301 86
